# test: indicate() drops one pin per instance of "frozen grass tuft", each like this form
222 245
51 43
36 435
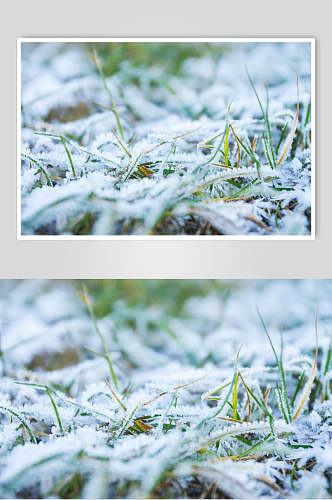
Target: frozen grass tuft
165 389
166 139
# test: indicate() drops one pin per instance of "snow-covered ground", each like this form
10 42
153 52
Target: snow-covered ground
154 152
195 404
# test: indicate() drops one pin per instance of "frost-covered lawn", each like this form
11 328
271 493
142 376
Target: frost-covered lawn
169 389
166 139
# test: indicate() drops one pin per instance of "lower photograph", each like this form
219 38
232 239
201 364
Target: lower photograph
165 389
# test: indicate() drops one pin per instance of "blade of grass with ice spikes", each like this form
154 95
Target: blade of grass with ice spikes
262 405
251 449
73 144
234 399
226 147
69 401
281 404
86 300
248 396
63 141
55 409
41 167
246 428
14 413
272 158
308 386
229 392
248 149
281 371
127 422
242 190
293 130
69 157
238 147
219 146
115 395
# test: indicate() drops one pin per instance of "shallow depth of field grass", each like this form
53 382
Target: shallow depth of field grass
166 138
165 389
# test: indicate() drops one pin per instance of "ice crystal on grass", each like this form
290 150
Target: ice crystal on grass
195 402
203 149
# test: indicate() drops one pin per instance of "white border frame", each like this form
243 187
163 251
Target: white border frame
179 237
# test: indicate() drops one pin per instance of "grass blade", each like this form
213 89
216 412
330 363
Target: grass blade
213 156
238 147
280 367
21 419
55 408
234 401
297 388
269 127
265 117
69 156
312 376
267 151
113 108
40 165
226 148
283 132
248 397
87 301
249 151
293 130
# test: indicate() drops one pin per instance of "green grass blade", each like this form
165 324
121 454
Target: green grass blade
255 446
108 91
265 117
201 165
282 136
40 165
101 336
55 409
226 148
268 127
244 189
218 148
261 404
280 367
69 156
328 359
125 425
297 388
267 152
69 401
306 121
21 419
249 151
234 401
281 404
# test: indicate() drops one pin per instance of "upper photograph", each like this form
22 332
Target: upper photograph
166 138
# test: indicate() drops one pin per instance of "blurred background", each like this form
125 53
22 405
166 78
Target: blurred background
46 324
